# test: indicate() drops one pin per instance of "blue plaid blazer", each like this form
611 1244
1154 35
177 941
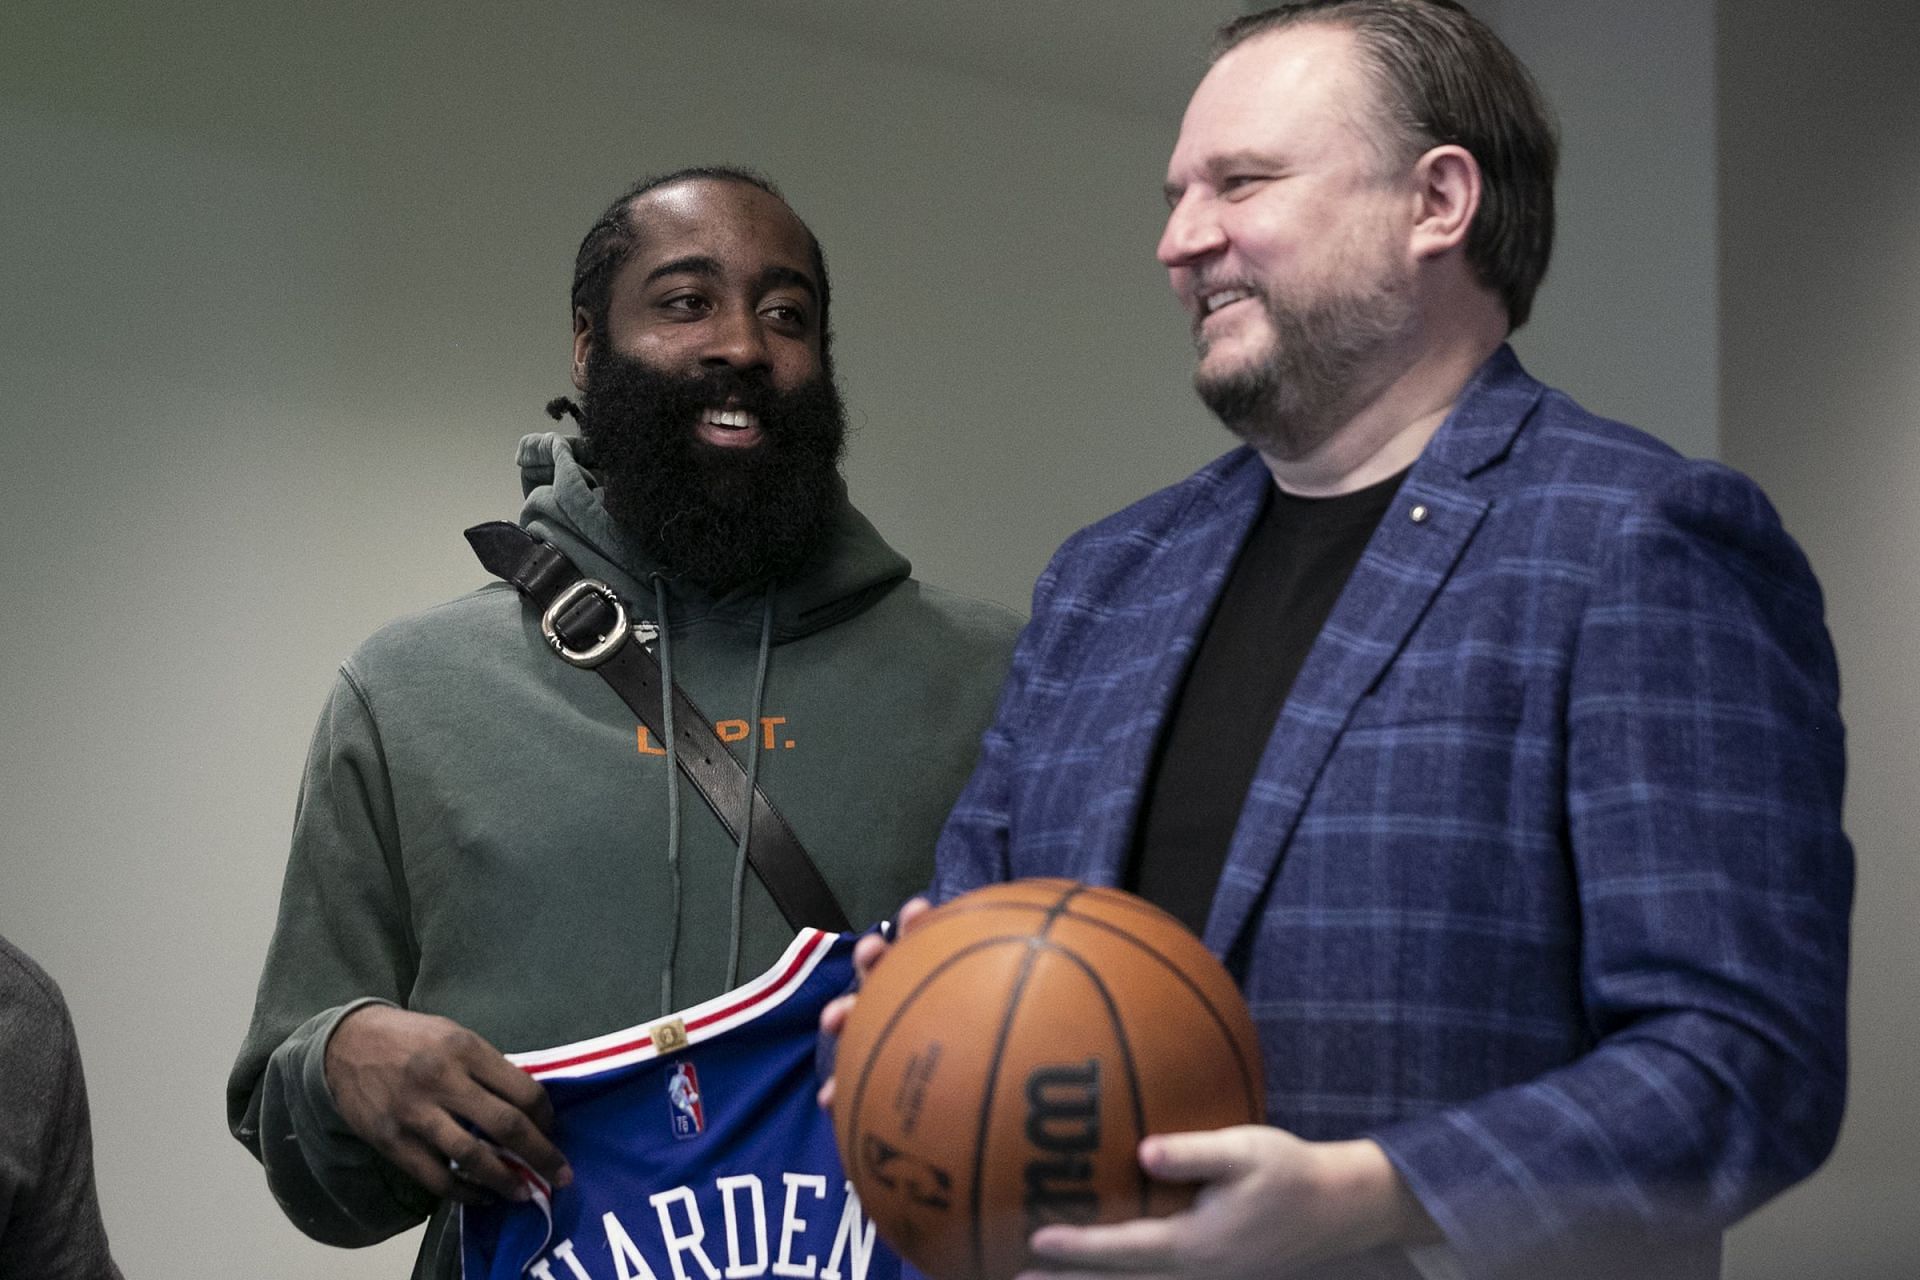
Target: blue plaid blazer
1540 881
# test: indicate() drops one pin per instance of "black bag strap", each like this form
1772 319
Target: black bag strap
585 623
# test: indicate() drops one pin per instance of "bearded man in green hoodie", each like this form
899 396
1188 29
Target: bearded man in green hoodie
490 855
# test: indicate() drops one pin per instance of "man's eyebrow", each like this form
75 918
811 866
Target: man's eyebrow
694 264
790 276
699 264
1224 164
1245 158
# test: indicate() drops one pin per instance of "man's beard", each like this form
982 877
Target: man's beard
722 518
1315 372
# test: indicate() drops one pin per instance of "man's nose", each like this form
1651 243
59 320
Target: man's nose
1192 232
735 337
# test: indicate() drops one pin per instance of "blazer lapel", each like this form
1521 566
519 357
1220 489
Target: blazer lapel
1185 580
1409 558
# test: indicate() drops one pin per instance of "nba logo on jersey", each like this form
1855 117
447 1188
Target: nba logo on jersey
688 1113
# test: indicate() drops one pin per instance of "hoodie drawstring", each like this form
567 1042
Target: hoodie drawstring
753 779
673 795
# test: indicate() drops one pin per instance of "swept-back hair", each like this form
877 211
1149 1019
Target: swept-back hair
1444 79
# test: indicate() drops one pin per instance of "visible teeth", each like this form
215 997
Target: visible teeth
1212 302
731 418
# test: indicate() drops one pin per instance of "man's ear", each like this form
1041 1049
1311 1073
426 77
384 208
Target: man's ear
1446 184
583 336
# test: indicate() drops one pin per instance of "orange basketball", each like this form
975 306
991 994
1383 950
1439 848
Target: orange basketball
1006 1057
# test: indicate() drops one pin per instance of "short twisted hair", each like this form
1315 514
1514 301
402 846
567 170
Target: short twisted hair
611 241
1446 79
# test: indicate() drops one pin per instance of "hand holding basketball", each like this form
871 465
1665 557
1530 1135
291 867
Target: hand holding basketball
998 1071
1271 1205
866 954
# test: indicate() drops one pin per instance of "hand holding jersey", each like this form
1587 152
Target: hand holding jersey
696 1144
436 1099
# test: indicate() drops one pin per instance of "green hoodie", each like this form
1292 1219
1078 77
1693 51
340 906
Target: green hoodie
483 830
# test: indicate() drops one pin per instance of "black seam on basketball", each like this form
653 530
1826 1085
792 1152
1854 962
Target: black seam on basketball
1050 910
1255 1104
852 1152
1059 908
1126 1054
958 908
986 1100
1121 900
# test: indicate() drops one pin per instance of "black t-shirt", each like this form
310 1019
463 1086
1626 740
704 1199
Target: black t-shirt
1296 560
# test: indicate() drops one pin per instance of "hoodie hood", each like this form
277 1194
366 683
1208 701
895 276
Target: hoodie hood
852 570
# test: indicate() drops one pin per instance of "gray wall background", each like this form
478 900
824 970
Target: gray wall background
1820 398
282 289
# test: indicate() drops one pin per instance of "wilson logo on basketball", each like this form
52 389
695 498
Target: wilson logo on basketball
1063 1122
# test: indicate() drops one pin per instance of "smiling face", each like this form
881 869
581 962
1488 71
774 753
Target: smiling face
721 282
712 423
1287 237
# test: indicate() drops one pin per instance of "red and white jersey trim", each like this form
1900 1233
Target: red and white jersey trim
703 1021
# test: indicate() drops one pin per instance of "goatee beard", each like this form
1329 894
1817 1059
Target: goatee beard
1313 376
722 518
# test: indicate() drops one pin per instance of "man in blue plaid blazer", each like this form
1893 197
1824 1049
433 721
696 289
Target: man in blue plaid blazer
1537 891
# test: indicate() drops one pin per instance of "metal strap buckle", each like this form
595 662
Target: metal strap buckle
600 650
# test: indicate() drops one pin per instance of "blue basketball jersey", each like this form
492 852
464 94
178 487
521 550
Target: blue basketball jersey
697 1149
